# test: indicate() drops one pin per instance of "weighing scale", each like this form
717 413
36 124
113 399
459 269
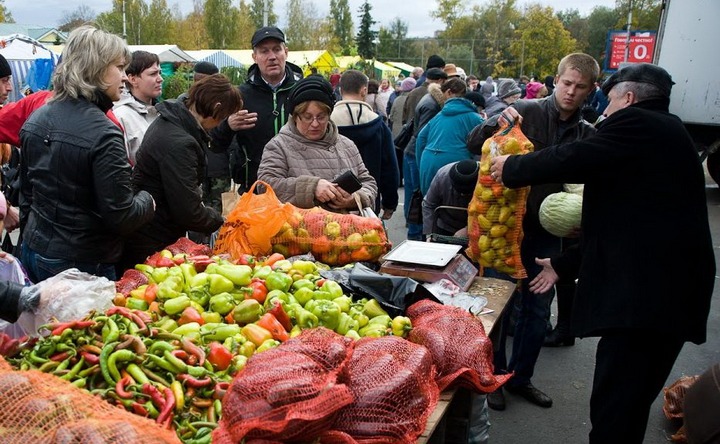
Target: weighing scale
430 262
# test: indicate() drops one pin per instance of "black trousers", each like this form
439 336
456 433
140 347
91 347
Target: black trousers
631 368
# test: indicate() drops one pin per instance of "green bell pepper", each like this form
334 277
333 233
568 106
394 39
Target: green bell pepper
346 323
303 283
333 288
239 275
305 267
220 284
303 317
328 314
222 303
372 308
247 311
373 330
352 334
185 329
176 305
267 345
383 320
322 295
211 317
303 295
159 274
278 281
189 272
219 332
200 295
344 303
401 326
262 272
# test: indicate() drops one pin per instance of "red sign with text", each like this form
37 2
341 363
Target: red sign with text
642 47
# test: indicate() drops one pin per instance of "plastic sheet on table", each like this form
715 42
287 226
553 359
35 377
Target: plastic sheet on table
450 294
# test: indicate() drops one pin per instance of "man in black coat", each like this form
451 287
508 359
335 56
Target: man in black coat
645 262
270 80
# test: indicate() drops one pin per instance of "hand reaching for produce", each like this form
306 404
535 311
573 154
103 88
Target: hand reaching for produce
508 115
545 280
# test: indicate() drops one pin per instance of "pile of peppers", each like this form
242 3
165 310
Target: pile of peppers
169 348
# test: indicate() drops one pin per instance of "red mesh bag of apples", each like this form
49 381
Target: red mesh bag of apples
461 351
288 393
393 383
333 238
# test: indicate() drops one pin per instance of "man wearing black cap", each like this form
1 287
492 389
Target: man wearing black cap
634 289
453 185
5 81
264 94
434 61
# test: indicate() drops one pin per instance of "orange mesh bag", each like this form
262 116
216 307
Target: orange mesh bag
674 396
288 393
392 381
461 350
495 213
39 408
333 238
252 223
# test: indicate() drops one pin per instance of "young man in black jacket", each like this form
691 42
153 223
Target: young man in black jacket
264 94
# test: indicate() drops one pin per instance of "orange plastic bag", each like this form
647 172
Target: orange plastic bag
495 212
333 238
252 223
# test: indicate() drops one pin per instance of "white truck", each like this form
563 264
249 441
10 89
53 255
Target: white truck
686 47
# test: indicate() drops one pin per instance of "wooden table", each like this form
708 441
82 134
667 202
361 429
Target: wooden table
497 292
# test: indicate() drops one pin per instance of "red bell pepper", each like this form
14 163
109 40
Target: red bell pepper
276 329
279 312
190 314
270 260
259 291
219 356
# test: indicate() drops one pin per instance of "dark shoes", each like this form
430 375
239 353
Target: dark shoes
556 338
496 399
530 393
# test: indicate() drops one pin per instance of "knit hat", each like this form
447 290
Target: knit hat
267 32
408 84
476 98
508 88
208 68
311 88
435 74
451 70
435 61
4 67
641 73
464 175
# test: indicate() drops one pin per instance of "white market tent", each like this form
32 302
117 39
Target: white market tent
216 56
404 68
26 56
167 53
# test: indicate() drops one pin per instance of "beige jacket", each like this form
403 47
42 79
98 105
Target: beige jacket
135 117
293 165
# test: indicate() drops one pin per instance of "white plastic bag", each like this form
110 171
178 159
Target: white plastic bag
10 270
69 296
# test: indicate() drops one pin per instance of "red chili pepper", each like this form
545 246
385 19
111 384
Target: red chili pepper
90 358
279 312
180 354
190 314
220 389
167 408
193 382
123 311
139 409
120 387
59 357
143 315
200 262
57 329
154 394
271 324
194 350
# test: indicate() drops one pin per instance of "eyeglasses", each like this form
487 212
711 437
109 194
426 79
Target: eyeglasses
308 119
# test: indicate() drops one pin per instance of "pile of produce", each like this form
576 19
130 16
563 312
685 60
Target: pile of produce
184 325
495 212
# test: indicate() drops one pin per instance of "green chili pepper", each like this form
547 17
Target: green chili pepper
80 383
160 362
137 373
104 356
219 332
159 347
176 362
112 333
114 358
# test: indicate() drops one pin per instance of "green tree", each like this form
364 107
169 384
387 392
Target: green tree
302 20
341 22
391 39
577 25
79 16
448 11
244 27
112 21
256 12
190 32
538 27
365 38
158 24
645 14
220 19
600 21
5 15
497 22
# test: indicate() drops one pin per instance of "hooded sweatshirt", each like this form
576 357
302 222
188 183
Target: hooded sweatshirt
135 118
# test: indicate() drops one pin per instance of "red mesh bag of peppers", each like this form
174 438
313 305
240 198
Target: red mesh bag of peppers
333 238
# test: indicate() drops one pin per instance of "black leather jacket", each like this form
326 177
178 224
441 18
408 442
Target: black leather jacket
76 198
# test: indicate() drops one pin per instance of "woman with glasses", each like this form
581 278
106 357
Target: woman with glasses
301 162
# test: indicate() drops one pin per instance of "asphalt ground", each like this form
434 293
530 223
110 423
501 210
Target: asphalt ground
566 373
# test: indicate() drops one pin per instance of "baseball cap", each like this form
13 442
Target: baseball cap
267 32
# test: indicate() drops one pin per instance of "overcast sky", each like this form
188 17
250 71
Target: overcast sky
415 12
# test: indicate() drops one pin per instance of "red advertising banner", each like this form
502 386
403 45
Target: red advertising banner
642 47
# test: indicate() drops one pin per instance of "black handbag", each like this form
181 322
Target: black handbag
403 138
415 215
